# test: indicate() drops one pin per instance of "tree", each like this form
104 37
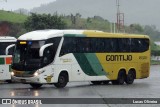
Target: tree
136 28
89 20
44 21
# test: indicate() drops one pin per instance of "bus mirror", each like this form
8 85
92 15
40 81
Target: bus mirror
8 47
43 48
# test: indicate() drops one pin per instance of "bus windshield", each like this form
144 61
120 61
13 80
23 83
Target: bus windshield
4 45
26 55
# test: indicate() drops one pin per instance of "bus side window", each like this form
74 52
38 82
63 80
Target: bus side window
134 45
146 44
101 45
87 47
64 49
81 45
124 44
48 55
94 45
114 45
68 46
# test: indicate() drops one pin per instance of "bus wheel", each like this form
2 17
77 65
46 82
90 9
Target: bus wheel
106 82
96 82
130 77
35 86
62 81
121 79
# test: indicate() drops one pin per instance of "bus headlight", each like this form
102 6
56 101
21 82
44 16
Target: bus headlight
12 73
38 72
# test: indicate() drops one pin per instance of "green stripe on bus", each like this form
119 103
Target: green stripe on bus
84 64
95 64
90 64
2 61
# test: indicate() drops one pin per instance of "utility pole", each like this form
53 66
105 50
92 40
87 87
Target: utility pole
120 18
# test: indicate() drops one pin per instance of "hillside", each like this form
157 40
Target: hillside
75 21
12 17
92 23
133 10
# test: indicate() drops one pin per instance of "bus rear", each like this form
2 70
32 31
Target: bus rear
6 51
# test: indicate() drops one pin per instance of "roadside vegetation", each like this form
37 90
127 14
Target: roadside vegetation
12 17
20 24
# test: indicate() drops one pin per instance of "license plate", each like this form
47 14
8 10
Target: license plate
18 73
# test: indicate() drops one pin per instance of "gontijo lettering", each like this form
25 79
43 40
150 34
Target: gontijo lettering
119 58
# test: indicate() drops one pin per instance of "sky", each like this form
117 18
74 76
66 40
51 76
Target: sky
144 12
26 4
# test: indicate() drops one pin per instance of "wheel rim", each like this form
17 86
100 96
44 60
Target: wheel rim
61 80
130 77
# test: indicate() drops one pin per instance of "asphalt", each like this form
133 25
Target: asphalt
141 88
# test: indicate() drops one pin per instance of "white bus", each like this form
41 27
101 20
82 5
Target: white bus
60 56
7 44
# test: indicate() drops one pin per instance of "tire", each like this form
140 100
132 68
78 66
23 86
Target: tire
130 77
35 86
96 82
9 81
114 82
105 82
62 81
121 78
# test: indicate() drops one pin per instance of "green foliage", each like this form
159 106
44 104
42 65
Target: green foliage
155 62
152 32
155 49
21 24
12 17
135 28
93 23
17 29
44 21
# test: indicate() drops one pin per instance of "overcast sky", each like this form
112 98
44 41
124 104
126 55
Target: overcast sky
26 4
145 12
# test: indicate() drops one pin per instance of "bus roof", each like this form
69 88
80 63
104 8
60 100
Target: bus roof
49 33
7 39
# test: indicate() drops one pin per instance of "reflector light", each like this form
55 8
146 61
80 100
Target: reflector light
23 43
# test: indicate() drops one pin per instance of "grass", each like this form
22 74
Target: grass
94 24
12 17
155 62
154 46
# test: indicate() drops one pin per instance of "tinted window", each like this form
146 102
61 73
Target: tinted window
4 45
50 52
100 45
139 45
124 44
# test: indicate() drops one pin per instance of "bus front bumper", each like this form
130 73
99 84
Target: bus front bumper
26 80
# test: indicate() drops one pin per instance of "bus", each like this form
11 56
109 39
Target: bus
61 56
7 44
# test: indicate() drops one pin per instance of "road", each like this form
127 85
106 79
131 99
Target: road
142 88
